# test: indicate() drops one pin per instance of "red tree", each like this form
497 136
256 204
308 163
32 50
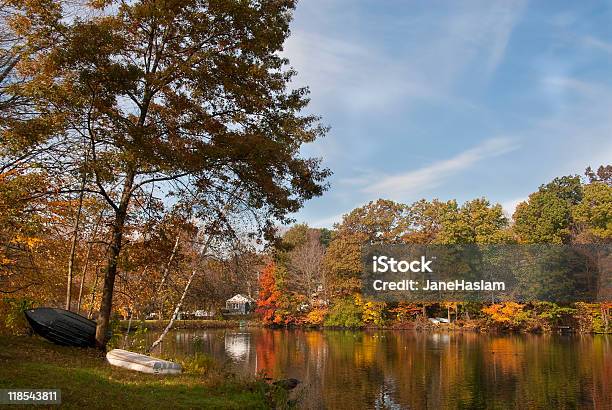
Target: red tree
267 301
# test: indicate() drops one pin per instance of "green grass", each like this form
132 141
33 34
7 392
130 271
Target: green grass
88 381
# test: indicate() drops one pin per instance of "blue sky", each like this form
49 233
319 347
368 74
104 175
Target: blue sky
457 99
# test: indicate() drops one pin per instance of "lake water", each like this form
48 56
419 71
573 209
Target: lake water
412 370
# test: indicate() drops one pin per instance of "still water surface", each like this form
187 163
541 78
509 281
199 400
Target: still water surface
411 370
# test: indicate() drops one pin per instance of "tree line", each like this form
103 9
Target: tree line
314 275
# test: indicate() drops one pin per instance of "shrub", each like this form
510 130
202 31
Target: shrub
115 327
316 317
405 311
592 317
199 363
550 314
139 340
373 312
509 315
12 315
345 313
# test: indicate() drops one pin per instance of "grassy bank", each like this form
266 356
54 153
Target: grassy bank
88 381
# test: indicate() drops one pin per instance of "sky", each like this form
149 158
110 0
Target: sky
452 100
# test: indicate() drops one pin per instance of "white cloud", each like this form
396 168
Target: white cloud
400 185
327 222
510 206
359 70
564 83
594 42
509 16
495 23
358 75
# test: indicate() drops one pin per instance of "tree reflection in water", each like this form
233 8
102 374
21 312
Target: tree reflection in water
405 369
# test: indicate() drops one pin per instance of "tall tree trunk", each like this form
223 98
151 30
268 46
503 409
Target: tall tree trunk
108 287
75 237
106 303
86 264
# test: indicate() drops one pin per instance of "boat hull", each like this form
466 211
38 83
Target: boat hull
62 327
141 363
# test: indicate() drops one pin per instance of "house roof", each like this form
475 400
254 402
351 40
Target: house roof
240 299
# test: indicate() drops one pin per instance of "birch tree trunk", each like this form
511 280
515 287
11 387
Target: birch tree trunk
127 333
177 309
188 285
167 268
176 312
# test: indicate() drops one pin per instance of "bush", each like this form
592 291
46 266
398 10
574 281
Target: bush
138 342
374 313
345 313
405 311
116 335
199 363
507 315
592 318
316 317
550 314
12 314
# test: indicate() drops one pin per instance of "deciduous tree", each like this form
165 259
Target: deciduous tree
188 94
546 216
593 215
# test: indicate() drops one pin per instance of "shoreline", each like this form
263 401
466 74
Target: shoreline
87 380
189 324
474 326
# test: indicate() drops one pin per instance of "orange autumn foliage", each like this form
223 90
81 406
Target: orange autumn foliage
406 311
508 312
316 316
269 295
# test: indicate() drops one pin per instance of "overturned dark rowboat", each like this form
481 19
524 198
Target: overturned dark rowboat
62 327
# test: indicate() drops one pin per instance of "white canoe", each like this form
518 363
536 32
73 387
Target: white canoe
141 363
